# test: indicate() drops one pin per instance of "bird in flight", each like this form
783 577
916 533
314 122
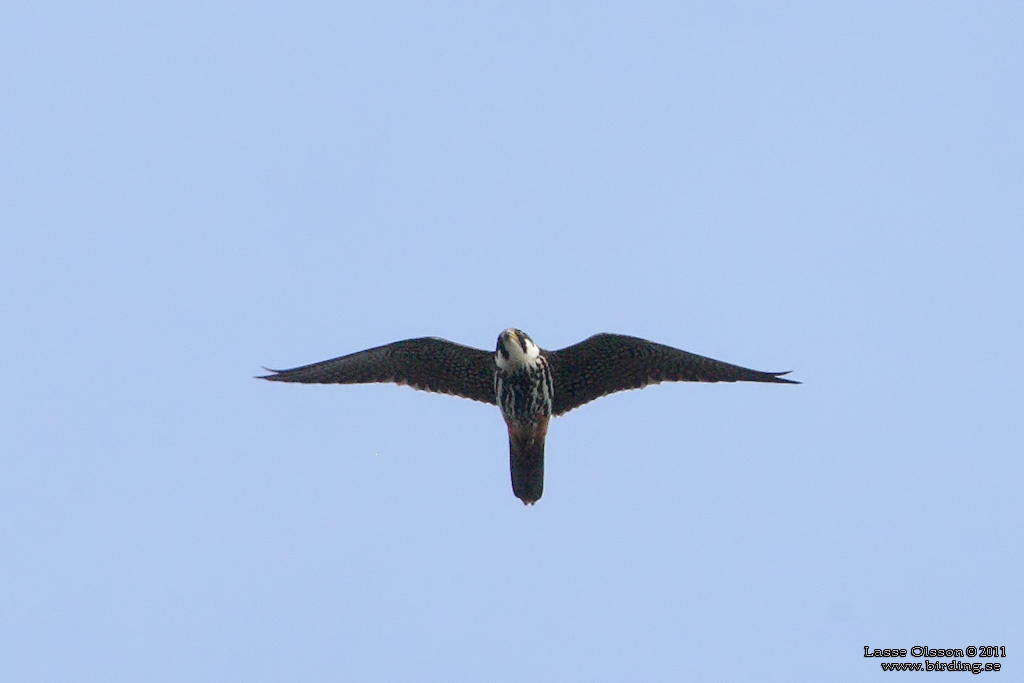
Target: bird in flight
529 384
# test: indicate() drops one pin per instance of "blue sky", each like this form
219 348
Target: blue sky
189 191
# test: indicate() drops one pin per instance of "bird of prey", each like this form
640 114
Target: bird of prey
529 384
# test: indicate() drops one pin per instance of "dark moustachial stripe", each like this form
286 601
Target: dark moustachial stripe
522 342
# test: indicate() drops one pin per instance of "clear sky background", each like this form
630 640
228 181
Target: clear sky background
191 190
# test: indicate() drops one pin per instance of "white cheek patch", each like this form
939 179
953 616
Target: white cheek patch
532 351
517 357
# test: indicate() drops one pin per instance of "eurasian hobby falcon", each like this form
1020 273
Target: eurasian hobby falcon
529 384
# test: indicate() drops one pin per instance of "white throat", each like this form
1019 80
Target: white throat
514 341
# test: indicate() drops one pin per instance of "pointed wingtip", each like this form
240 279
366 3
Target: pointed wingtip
269 377
781 380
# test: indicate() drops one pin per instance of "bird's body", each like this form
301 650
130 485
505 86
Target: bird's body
524 389
529 385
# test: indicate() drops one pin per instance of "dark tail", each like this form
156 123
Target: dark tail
526 458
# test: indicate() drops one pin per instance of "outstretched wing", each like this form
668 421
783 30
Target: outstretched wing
429 364
606 363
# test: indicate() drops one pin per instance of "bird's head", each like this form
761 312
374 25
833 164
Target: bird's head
515 349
